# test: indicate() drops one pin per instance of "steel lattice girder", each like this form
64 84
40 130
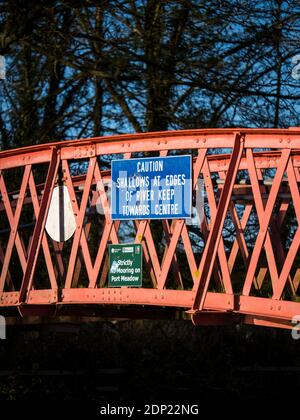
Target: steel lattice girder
266 290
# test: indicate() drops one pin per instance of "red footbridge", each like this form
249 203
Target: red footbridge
239 264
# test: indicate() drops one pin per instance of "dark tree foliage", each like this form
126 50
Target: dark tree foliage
111 66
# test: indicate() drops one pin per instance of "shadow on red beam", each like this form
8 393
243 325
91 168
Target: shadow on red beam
73 316
220 308
227 318
77 314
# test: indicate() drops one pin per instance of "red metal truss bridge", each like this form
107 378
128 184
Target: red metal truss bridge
239 265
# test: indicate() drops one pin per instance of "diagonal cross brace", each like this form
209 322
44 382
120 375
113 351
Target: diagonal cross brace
211 248
264 215
14 226
293 250
38 232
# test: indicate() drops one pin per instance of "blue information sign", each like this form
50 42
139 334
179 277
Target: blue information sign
152 188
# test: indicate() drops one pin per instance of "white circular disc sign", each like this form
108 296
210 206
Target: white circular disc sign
60 224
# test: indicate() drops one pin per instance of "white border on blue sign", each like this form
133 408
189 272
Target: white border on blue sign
162 217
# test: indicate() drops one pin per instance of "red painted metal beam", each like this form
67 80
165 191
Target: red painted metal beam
39 226
208 282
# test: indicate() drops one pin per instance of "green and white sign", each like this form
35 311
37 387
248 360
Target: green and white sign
125 265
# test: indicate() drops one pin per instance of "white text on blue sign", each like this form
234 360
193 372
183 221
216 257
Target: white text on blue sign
151 188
